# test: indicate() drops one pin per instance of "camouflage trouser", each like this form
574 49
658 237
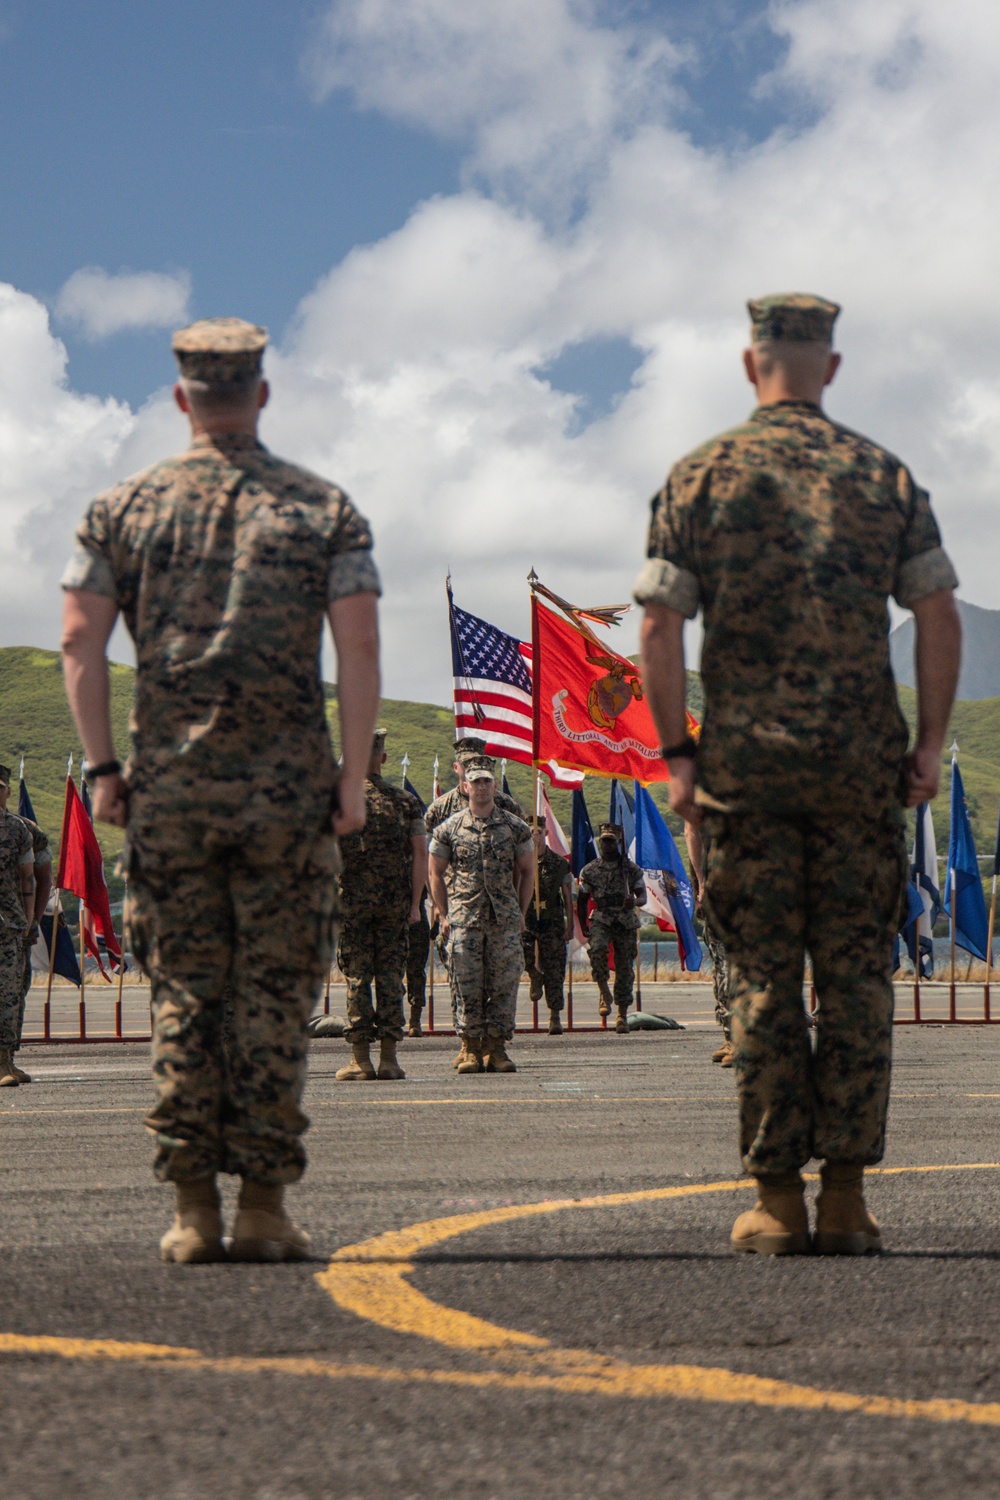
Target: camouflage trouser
12 991
552 956
605 930
229 898
373 951
418 950
485 970
722 979
775 889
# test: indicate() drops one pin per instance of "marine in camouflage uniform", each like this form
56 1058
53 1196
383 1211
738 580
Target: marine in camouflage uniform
617 887
418 950
224 562
722 974
381 866
789 533
42 861
546 929
17 894
487 851
467 749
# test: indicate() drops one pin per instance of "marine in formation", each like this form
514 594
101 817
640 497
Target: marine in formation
23 847
548 928
224 562
610 892
383 878
790 533
488 854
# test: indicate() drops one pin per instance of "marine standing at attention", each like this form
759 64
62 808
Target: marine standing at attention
548 929
223 562
789 533
617 887
17 913
489 852
384 874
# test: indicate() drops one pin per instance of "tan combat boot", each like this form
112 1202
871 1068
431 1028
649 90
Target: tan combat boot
415 1028
843 1224
555 1025
604 1004
726 1060
361 1069
778 1223
262 1230
719 1053
196 1235
8 1078
497 1060
19 1073
621 1025
470 1059
536 988
388 1067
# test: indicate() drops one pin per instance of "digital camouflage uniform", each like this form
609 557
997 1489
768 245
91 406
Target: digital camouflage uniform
418 949
722 979
548 932
375 896
484 946
444 807
41 855
223 561
608 882
15 853
790 532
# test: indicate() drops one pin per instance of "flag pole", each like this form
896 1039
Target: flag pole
952 882
993 909
121 973
532 580
56 909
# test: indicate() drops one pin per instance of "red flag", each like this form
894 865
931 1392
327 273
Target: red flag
81 870
589 707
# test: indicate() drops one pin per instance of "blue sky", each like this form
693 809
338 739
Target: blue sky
504 251
186 137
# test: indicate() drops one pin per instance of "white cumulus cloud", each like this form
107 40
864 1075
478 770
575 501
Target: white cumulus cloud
101 304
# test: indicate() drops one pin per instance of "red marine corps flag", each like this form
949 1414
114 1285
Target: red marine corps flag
81 870
589 707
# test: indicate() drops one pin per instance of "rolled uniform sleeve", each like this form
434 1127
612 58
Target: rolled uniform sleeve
440 847
352 567
89 568
668 576
923 566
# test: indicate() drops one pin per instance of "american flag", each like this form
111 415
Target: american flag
493 691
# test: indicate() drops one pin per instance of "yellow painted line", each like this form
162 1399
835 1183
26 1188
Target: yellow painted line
369 1280
23 1111
605 1378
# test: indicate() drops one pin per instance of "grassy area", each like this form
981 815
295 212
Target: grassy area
35 721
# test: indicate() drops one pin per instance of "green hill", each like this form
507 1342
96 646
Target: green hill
35 722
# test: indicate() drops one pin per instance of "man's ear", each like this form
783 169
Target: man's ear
263 395
180 396
832 368
750 366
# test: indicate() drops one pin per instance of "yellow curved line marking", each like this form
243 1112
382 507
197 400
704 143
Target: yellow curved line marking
369 1280
684 1382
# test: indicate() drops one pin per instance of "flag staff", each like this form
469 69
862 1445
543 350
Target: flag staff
405 763
952 883
989 935
532 580
56 909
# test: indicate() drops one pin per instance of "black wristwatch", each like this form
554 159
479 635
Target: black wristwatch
686 750
106 768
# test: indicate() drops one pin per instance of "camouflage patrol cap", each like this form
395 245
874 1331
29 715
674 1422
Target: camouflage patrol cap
468 746
378 740
220 351
4 775
479 768
609 831
792 315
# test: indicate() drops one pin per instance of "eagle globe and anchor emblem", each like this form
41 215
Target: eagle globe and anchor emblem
612 694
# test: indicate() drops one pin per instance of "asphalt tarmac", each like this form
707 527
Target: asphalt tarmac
579 1328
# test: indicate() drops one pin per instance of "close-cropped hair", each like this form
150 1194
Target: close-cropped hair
795 356
221 395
